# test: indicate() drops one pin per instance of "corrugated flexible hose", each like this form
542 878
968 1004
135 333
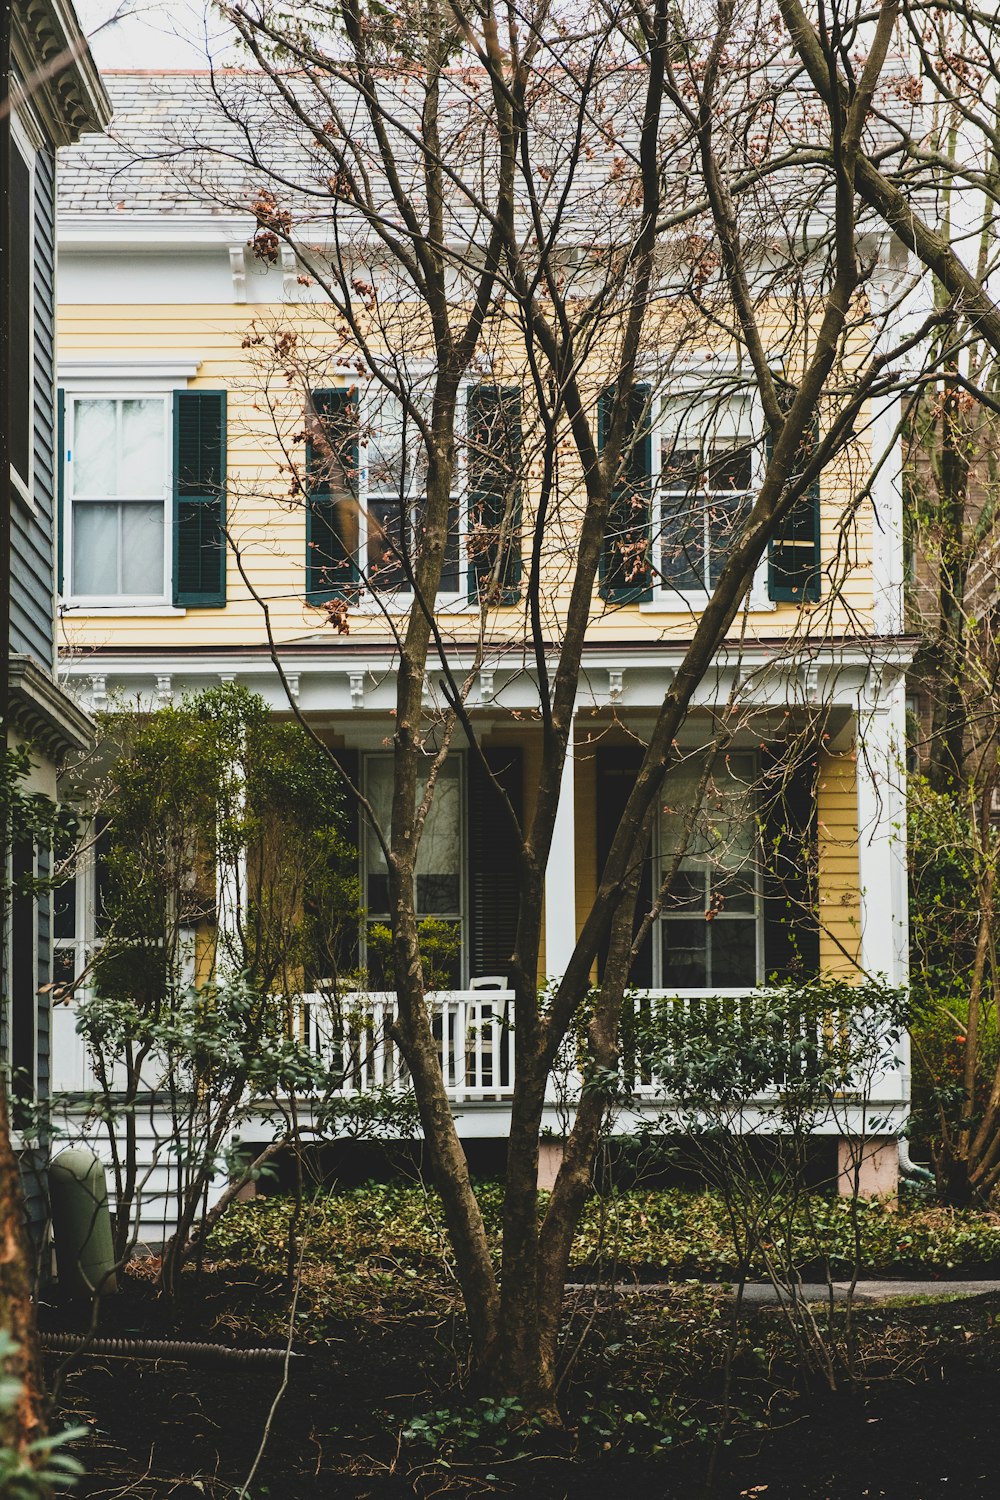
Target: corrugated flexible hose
171 1349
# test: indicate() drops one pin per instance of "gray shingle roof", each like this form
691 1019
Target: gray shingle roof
193 146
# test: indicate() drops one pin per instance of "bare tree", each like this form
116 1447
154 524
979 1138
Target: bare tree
573 207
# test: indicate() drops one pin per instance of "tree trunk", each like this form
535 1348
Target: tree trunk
26 1421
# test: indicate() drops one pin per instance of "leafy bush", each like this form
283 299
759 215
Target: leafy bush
398 1228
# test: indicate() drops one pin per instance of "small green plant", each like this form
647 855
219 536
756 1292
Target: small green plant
494 1428
44 1465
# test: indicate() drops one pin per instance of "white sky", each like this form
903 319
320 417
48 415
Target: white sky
152 34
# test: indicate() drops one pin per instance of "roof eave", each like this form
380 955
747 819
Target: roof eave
52 55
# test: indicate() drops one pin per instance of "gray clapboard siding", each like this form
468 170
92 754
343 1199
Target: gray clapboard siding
32 630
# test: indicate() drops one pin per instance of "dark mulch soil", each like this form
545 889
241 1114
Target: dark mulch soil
165 1429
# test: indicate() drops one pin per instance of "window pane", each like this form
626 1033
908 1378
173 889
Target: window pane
94 444
95 549
141 467
685 964
439 855
725 522
386 568
734 952
142 549
438 872
729 468
682 543
64 909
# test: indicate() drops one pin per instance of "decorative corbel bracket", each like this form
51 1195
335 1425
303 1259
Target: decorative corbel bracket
357 682
238 271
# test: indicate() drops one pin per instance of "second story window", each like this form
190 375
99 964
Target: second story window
690 469
144 507
118 493
366 494
705 497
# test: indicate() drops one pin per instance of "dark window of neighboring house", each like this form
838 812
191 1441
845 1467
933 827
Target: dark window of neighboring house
20 313
23 978
64 899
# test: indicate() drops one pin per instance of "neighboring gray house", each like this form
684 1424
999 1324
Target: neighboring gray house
57 95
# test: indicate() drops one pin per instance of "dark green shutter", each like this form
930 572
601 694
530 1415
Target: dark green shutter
60 484
494 861
332 562
494 449
793 555
616 770
788 858
200 499
626 575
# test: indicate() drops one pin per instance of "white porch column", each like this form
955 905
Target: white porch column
887 479
881 775
560 875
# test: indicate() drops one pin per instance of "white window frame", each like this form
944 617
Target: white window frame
698 405
367 760
664 921
117 603
27 141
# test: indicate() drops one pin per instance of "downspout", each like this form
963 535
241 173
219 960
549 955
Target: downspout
910 1168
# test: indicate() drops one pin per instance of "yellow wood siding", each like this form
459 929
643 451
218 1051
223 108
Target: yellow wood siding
268 525
839 896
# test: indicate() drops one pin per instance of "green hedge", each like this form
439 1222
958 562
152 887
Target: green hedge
400 1229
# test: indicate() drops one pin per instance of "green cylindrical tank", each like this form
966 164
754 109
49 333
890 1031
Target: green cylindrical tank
81 1224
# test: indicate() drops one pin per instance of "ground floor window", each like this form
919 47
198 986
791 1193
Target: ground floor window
440 886
710 931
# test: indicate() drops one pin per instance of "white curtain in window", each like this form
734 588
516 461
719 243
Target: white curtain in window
142 548
724 831
95 549
94 448
439 856
141 467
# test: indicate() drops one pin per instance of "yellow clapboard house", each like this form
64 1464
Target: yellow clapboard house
220 483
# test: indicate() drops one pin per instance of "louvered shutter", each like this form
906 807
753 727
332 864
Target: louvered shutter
626 576
494 464
199 499
617 768
793 558
332 536
494 861
788 857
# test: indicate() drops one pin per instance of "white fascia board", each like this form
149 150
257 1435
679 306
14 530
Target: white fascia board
155 235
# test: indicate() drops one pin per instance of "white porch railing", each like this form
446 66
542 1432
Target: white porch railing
472 1028
475 1037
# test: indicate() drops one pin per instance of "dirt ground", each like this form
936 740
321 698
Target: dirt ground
925 1427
